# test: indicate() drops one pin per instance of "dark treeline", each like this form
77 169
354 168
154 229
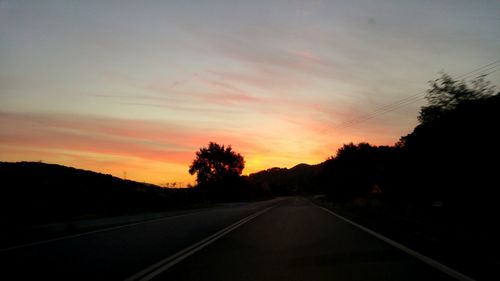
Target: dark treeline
440 182
218 170
442 176
446 169
38 193
449 161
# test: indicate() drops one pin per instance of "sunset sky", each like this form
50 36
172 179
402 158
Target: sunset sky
139 86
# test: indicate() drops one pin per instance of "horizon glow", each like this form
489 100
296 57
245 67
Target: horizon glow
125 87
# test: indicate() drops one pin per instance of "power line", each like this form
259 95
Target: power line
478 70
383 110
411 99
417 97
390 108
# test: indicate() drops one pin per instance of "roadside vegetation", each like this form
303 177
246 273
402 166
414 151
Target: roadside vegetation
436 189
35 193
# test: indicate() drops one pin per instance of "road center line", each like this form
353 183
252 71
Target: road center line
437 265
105 229
159 267
97 231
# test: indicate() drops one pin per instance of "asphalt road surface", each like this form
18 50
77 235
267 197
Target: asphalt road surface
282 239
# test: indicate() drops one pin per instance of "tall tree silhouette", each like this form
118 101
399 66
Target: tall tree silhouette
216 164
446 94
448 155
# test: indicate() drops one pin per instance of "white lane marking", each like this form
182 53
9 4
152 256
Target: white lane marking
451 272
159 267
95 231
111 228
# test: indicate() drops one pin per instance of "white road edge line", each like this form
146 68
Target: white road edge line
97 231
160 266
101 230
437 265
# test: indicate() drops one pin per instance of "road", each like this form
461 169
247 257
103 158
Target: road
283 239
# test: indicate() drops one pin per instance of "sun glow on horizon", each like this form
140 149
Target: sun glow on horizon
82 85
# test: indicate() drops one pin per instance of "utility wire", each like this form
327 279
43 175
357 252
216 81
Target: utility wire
413 98
417 97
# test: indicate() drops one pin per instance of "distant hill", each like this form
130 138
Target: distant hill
35 192
282 181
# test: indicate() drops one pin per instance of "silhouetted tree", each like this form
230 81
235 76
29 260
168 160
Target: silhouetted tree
216 164
357 169
446 94
448 155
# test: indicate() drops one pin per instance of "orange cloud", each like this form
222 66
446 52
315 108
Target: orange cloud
111 144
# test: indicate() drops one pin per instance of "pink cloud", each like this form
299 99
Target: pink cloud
305 56
142 139
149 140
162 87
113 144
264 78
226 98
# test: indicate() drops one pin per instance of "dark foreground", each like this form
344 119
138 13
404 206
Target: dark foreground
292 240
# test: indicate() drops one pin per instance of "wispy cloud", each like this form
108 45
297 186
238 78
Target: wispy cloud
84 136
277 82
146 140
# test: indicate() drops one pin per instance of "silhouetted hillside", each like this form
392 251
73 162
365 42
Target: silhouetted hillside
455 155
283 181
453 164
447 161
34 192
437 189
